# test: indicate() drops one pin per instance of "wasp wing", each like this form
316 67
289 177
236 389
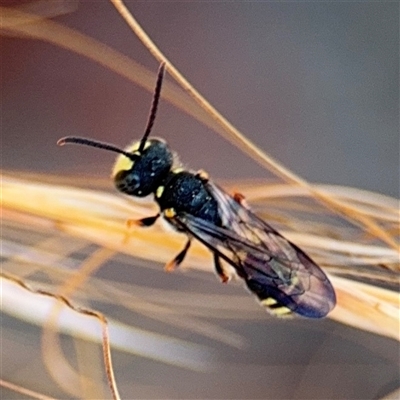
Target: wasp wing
274 269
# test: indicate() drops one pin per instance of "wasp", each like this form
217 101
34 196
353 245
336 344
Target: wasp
283 277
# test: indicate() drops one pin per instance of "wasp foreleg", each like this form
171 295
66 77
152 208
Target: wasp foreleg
147 221
170 266
219 269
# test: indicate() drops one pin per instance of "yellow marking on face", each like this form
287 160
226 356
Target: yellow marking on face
177 170
123 163
147 145
169 213
281 311
268 302
160 191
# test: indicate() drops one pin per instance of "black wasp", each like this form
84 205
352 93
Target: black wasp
282 276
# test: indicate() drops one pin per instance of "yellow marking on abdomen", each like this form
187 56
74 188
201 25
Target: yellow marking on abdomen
275 308
281 311
268 302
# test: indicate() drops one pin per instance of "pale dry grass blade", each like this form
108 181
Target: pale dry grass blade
25 261
56 363
123 337
51 348
100 218
40 9
395 395
367 307
24 391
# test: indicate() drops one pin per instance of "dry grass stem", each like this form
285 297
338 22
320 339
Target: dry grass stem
66 376
100 218
25 392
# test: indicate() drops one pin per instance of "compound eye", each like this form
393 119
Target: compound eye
127 182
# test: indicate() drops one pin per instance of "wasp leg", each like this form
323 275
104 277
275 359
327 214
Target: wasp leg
219 269
170 266
240 199
147 221
203 176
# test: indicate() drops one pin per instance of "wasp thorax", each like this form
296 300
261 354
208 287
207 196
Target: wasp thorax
142 174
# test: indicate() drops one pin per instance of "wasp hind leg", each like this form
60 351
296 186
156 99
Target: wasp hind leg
170 266
219 269
240 199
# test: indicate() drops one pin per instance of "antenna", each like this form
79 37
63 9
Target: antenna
110 147
154 105
95 143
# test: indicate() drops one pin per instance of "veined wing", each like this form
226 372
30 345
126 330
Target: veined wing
280 274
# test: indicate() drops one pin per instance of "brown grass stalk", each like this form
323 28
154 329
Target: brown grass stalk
66 376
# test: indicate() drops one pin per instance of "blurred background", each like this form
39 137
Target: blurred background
313 84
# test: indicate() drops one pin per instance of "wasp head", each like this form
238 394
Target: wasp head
142 172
